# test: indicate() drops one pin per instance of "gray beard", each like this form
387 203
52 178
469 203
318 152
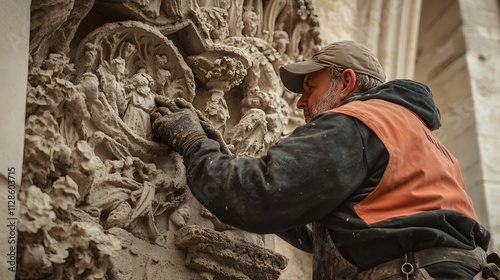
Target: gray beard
327 101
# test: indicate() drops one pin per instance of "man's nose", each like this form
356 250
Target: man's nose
302 103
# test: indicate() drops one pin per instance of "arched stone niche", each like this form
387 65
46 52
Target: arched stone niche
100 199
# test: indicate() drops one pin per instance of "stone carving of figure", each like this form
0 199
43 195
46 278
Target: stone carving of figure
163 76
127 50
261 89
89 57
110 82
281 42
250 23
73 124
46 18
163 80
140 105
176 9
216 21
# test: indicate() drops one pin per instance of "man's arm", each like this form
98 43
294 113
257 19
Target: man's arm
301 179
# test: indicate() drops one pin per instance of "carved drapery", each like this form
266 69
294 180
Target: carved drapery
100 198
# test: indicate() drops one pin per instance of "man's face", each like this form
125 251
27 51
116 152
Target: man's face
320 94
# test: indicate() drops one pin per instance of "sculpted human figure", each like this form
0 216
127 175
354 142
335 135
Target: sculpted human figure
140 105
250 23
280 43
127 50
163 76
90 56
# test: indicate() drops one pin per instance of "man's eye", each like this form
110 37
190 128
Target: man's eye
309 88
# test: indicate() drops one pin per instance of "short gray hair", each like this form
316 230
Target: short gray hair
365 82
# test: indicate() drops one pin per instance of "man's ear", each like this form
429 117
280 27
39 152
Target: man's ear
347 83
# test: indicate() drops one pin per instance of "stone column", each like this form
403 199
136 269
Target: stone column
458 57
14 29
387 27
481 31
390 30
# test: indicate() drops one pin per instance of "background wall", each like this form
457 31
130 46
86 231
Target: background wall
14 31
458 56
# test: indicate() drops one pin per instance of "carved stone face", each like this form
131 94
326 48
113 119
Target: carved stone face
128 49
251 23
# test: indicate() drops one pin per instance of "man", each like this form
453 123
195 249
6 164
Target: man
364 185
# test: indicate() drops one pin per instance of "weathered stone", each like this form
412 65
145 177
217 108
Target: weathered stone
226 258
90 157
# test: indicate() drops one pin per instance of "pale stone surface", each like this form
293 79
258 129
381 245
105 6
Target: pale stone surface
441 65
300 263
388 28
475 189
482 36
14 30
492 194
336 17
458 57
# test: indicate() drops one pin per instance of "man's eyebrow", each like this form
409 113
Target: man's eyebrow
306 81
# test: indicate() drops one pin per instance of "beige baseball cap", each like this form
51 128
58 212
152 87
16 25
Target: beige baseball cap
344 54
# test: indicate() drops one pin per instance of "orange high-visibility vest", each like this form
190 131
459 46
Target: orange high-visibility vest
421 175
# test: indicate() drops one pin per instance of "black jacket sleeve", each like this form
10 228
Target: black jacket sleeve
301 179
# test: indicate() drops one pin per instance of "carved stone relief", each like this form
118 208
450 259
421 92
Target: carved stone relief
100 198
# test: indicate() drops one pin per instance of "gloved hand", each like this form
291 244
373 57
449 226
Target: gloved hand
213 133
210 130
179 128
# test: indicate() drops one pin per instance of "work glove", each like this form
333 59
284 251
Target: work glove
209 129
179 128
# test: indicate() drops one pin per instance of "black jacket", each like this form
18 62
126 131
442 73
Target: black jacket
318 174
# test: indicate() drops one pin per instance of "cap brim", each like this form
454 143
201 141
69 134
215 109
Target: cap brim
292 75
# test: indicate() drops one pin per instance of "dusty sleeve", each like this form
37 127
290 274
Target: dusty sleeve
301 179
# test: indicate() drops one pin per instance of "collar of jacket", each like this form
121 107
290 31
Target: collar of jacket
413 95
